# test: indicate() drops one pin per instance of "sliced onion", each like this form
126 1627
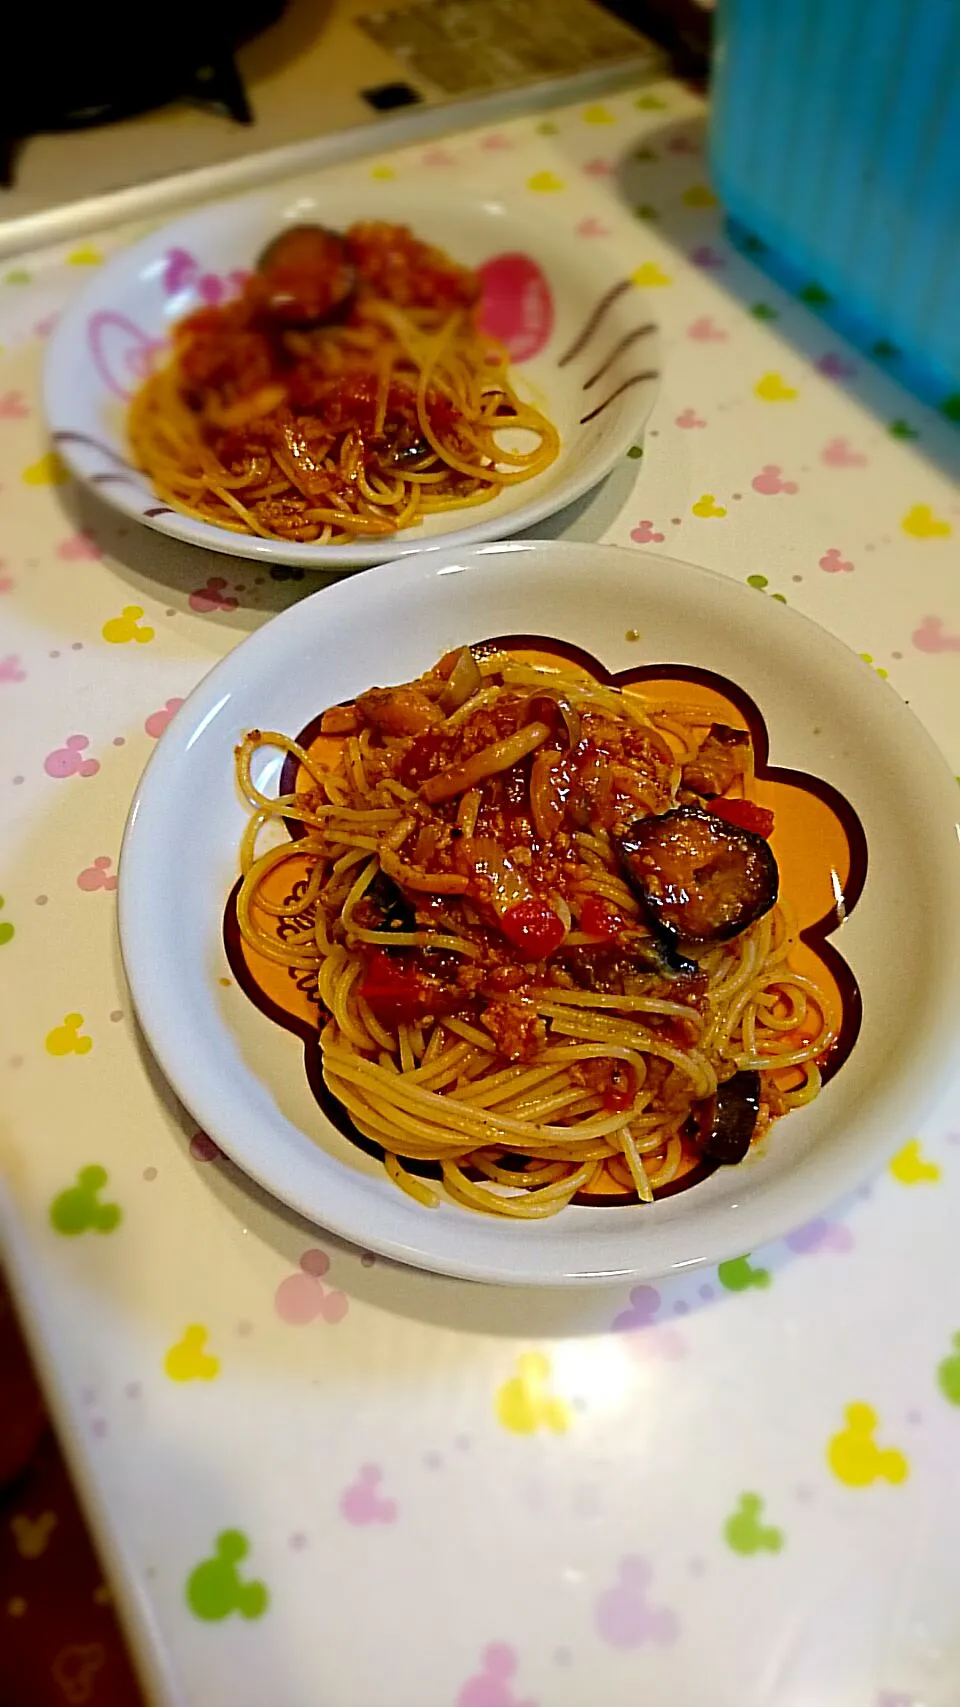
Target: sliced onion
536 708
465 679
482 856
499 756
549 789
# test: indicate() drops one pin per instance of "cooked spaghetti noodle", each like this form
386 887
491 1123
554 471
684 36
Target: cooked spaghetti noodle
347 392
544 926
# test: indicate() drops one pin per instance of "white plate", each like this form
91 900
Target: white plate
827 714
542 292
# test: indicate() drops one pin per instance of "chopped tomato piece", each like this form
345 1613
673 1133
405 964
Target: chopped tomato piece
533 928
745 815
597 919
395 990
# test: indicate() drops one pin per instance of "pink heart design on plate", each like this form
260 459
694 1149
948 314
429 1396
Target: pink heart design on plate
834 564
705 332
838 454
931 636
181 271
517 304
12 406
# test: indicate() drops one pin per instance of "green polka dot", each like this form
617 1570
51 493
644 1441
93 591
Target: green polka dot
738 1275
744 1532
79 1210
215 1589
948 1373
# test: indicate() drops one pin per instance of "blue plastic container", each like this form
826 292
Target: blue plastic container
835 140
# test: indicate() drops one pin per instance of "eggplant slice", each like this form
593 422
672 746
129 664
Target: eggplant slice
698 879
310 279
727 1121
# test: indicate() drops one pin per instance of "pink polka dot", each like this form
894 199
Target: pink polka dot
119 740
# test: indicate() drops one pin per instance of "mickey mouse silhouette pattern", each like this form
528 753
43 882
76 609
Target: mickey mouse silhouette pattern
492 1687
525 1403
215 1589
625 1617
948 1373
68 760
745 1533
79 1210
67 1039
188 1361
119 629
854 1456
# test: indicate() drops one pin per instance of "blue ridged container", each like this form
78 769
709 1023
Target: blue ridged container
835 141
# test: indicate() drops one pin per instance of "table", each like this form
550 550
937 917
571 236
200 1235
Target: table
320 1480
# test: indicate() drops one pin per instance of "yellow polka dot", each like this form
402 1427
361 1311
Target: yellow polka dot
910 1168
525 1402
650 275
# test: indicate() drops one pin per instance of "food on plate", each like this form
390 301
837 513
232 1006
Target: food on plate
346 392
541 919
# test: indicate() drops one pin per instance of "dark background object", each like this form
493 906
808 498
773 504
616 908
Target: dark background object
682 28
91 63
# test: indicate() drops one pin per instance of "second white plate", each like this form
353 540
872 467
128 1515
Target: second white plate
826 713
583 342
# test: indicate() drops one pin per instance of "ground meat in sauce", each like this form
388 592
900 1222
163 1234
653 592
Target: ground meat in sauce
516 1029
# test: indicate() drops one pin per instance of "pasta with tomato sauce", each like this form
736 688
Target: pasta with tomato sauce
347 392
544 916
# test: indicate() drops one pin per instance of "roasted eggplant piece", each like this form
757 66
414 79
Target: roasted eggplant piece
727 1121
608 967
722 758
698 879
389 907
308 277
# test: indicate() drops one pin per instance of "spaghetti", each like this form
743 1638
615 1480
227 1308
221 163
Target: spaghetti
543 919
347 392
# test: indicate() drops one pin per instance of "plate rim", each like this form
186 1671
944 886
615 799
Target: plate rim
760 1219
206 536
